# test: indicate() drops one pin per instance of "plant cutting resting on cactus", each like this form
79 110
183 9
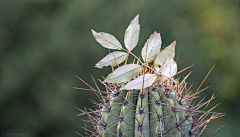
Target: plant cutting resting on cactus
143 99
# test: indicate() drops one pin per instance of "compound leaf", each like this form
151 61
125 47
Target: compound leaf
138 83
132 34
169 68
123 73
168 52
107 40
112 59
152 47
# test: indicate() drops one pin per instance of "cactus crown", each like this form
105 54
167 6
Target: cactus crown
143 99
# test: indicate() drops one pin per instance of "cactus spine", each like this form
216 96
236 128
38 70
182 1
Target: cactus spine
144 99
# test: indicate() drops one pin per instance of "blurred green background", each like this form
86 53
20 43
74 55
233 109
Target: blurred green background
44 43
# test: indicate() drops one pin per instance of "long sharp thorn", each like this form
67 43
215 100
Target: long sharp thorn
202 82
216 130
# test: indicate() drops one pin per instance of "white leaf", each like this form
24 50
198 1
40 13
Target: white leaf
132 34
123 73
152 47
138 83
107 40
112 59
168 52
169 68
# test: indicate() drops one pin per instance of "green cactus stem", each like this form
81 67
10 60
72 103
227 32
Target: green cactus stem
146 98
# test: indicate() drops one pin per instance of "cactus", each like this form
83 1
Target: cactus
146 98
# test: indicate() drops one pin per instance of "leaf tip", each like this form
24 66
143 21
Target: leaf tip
98 66
174 42
136 20
137 17
93 32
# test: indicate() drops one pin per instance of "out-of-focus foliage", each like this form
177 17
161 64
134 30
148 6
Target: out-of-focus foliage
44 43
